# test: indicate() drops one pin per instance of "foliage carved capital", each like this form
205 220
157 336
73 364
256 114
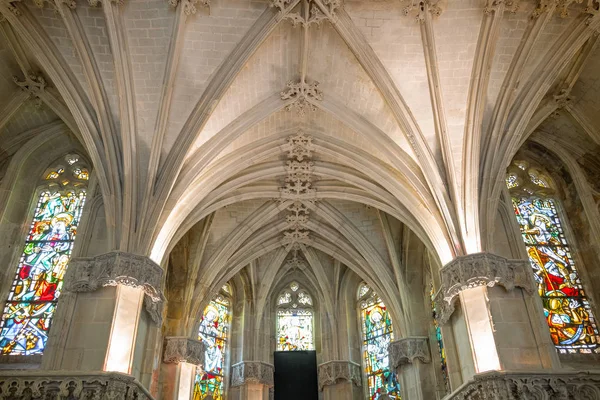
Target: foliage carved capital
119 268
409 349
252 372
480 269
180 349
333 372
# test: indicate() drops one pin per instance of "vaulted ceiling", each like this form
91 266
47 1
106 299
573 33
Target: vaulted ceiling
187 110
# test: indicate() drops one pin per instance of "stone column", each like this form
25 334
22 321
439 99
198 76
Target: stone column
494 328
109 317
251 380
183 357
340 380
410 358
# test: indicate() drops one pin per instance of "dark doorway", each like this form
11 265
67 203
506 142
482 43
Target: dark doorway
296 375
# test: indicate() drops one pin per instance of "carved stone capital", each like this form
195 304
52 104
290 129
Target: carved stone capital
114 268
189 6
252 372
480 269
507 385
333 372
407 350
180 349
418 8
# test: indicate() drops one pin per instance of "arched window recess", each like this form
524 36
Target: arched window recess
38 281
567 309
377 334
295 319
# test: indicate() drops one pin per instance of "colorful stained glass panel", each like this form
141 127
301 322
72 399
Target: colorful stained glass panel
440 341
294 330
377 335
573 327
213 331
39 279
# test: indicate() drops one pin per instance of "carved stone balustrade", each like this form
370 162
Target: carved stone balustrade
119 268
407 350
480 269
34 385
183 349
333 372
252 372
530 386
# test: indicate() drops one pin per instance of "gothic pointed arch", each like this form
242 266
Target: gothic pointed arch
38 282
567 308
377 334
295 319
214 332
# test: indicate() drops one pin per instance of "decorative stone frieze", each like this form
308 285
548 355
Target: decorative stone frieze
114 268
333 372
530 386
409 349
75 385
301 92
480 269
252 372
180 349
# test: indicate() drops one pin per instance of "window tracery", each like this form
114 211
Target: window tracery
214 333
294 319
567 309
377 334
38 281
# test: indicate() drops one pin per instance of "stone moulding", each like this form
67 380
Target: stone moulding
252 372
407 350
333 372
114 268
479 269
28 385
506 385
183 349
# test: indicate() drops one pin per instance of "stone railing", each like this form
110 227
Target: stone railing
530 386
62 385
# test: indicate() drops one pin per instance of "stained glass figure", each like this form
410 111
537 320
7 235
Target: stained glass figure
572 324
38 282
377 334
295 320
440 341
295 330
214 332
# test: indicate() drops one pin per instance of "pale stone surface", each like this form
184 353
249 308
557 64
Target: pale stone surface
184 109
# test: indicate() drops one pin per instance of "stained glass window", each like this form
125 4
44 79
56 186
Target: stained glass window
572 324
294 320
440 340
214 333
377 334
38 281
